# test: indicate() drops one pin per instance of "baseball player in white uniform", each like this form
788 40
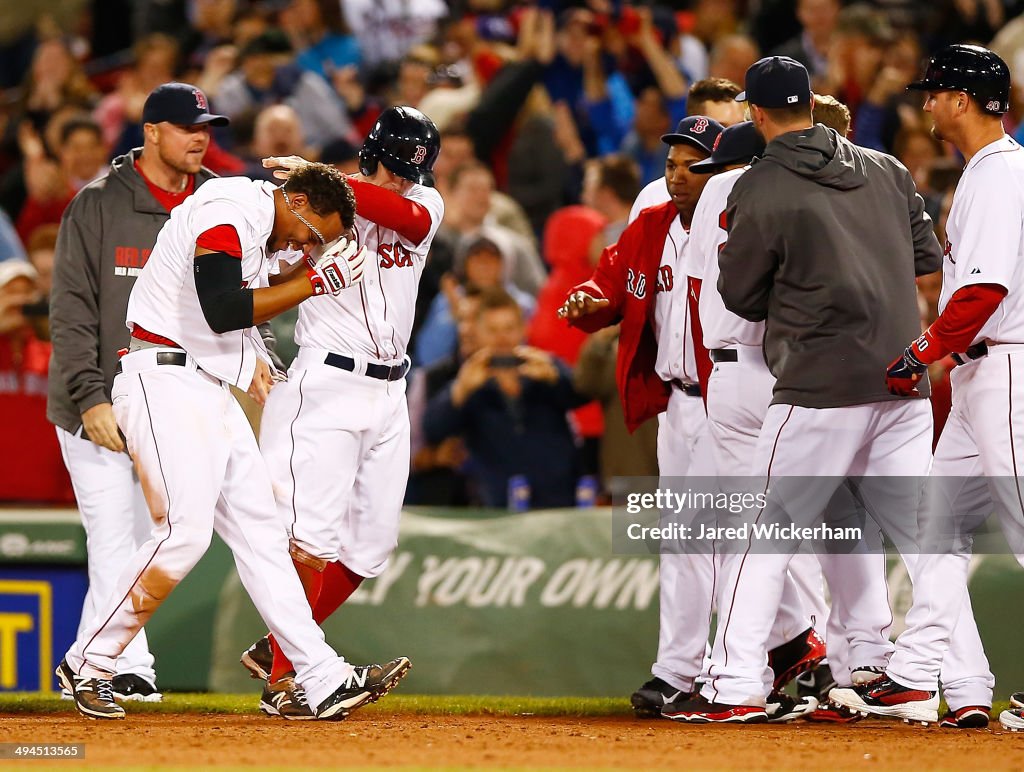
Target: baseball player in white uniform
336 434
686 581
191 315
739 392
975 469
775 266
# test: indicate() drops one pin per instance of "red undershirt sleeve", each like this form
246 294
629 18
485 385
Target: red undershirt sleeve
221 238
960 321
390 210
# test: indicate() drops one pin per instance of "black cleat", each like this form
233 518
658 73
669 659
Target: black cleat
781 708
94 697
971 717
258 659
649 699
366 683
131 687
816 683
698 710
286 699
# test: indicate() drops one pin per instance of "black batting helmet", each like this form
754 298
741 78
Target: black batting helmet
406 142
972 69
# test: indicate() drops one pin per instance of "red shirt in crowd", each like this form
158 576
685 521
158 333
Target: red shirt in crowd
32 469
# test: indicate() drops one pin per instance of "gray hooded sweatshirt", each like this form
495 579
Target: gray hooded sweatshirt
825 241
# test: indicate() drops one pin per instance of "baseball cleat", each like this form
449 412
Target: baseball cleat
94 697
649 699
1012 719
830 713
781 708
258 659
1017 700
286 699
816 683
134 688
971 717
865 674
697 710
366 683
885 697
790 659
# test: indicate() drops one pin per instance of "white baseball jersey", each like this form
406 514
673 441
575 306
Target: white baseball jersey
654 193
164 300
373 319
721 327
672 311
985 236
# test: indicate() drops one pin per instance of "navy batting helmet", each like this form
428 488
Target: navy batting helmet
406 142
972 69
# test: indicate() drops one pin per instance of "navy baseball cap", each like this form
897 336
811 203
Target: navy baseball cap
737 144
697 130
180 103
776 81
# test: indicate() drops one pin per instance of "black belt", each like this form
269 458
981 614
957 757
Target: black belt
380 372
179 358
689 389
977 351
724 355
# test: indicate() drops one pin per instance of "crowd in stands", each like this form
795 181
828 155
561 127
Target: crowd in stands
551 115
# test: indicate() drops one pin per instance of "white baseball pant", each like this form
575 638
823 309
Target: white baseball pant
337 446
976 471
201 470
739 395
116 522
890 441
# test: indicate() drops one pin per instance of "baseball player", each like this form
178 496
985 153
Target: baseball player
714 98
789 219
105 238
658 376
336 434
191 315
739 391
974 471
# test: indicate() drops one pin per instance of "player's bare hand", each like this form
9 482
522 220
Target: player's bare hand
262 383
284 165
473 374
101 427
537 365
579 304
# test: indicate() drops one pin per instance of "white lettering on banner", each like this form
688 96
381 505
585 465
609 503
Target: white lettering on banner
477 582
491 581
593 583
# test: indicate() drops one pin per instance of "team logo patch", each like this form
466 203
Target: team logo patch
699 126
200 99
420 155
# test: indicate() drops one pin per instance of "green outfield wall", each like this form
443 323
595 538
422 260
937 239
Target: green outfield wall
482 602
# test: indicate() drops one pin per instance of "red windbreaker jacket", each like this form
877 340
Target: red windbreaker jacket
627 275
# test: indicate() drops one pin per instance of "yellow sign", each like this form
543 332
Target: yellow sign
13 623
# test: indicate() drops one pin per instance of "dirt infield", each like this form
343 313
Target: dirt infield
433 742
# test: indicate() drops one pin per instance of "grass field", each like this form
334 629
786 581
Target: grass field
241 704
403 704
